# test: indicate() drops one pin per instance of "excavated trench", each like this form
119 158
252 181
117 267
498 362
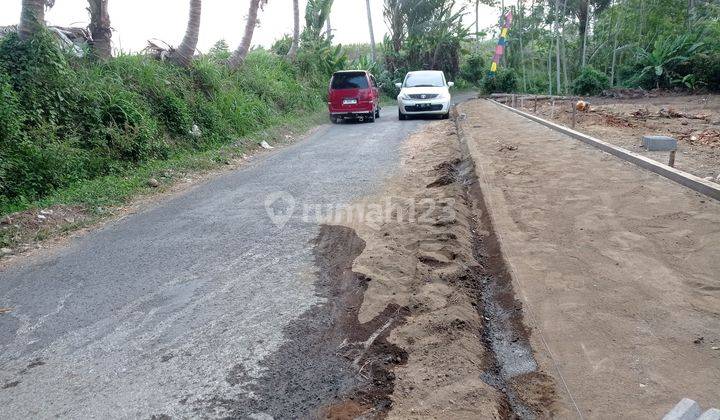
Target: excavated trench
505 336
336 367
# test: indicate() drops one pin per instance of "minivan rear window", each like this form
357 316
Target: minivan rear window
349 81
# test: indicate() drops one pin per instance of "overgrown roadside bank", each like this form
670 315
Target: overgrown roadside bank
88 203
436 290
80 137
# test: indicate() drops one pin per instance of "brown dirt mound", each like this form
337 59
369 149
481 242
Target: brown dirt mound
422 258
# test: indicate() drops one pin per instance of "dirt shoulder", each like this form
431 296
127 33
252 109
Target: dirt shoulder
429 262
692 119
25 233
617 267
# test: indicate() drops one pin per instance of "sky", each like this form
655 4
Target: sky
136 21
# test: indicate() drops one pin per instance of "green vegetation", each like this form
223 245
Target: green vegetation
67 123
590 82
75 129
666 44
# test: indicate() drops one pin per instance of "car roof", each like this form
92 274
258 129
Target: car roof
351 71
425 71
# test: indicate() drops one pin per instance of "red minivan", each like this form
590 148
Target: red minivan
353 94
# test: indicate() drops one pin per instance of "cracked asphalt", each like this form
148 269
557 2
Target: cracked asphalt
177 306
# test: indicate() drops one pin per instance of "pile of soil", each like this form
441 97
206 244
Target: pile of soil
429 256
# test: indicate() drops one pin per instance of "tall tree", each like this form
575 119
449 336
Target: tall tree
238 57
183 55
296 30
100 29
477 24
372 32
317 13
328 29
32 17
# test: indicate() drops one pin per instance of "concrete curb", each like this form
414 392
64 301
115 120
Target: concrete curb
683 178
688 409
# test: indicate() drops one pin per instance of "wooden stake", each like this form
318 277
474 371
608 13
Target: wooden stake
671 162
574 111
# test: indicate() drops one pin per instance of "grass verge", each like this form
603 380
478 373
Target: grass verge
88 202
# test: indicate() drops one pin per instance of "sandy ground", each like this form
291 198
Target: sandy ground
623 122
422 260
617 267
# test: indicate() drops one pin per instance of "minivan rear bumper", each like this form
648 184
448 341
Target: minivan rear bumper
359 110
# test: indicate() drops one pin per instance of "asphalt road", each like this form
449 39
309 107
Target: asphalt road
177 309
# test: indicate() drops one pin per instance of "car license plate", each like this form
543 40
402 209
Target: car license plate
349 101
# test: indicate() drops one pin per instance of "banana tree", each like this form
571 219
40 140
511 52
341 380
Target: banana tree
666 54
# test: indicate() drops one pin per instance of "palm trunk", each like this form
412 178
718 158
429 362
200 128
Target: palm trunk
584 38
328 29
557 45
614 53
477 25
183 56
100 29
238 57
373 49
32 18
549 69
296 30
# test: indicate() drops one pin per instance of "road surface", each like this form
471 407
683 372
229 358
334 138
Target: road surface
191 308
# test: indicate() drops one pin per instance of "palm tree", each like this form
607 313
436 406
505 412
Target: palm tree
100 29
372 33
184 53
238 56
477 24
296 31
32 17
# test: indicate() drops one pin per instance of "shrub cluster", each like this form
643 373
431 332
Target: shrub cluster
590 82
473 69
65 119
504 81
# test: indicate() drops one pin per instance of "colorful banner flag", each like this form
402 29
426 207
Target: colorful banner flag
506 21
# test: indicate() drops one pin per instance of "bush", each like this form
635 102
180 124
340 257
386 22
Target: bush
504 81
473 69
706 68
282 46
10 118
64 119
590 82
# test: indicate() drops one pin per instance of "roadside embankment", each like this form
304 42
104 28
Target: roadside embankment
616 267
80 137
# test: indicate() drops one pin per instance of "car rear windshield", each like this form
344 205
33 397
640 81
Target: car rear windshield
349 81
424 80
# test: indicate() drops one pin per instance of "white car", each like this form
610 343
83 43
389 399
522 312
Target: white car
424 93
